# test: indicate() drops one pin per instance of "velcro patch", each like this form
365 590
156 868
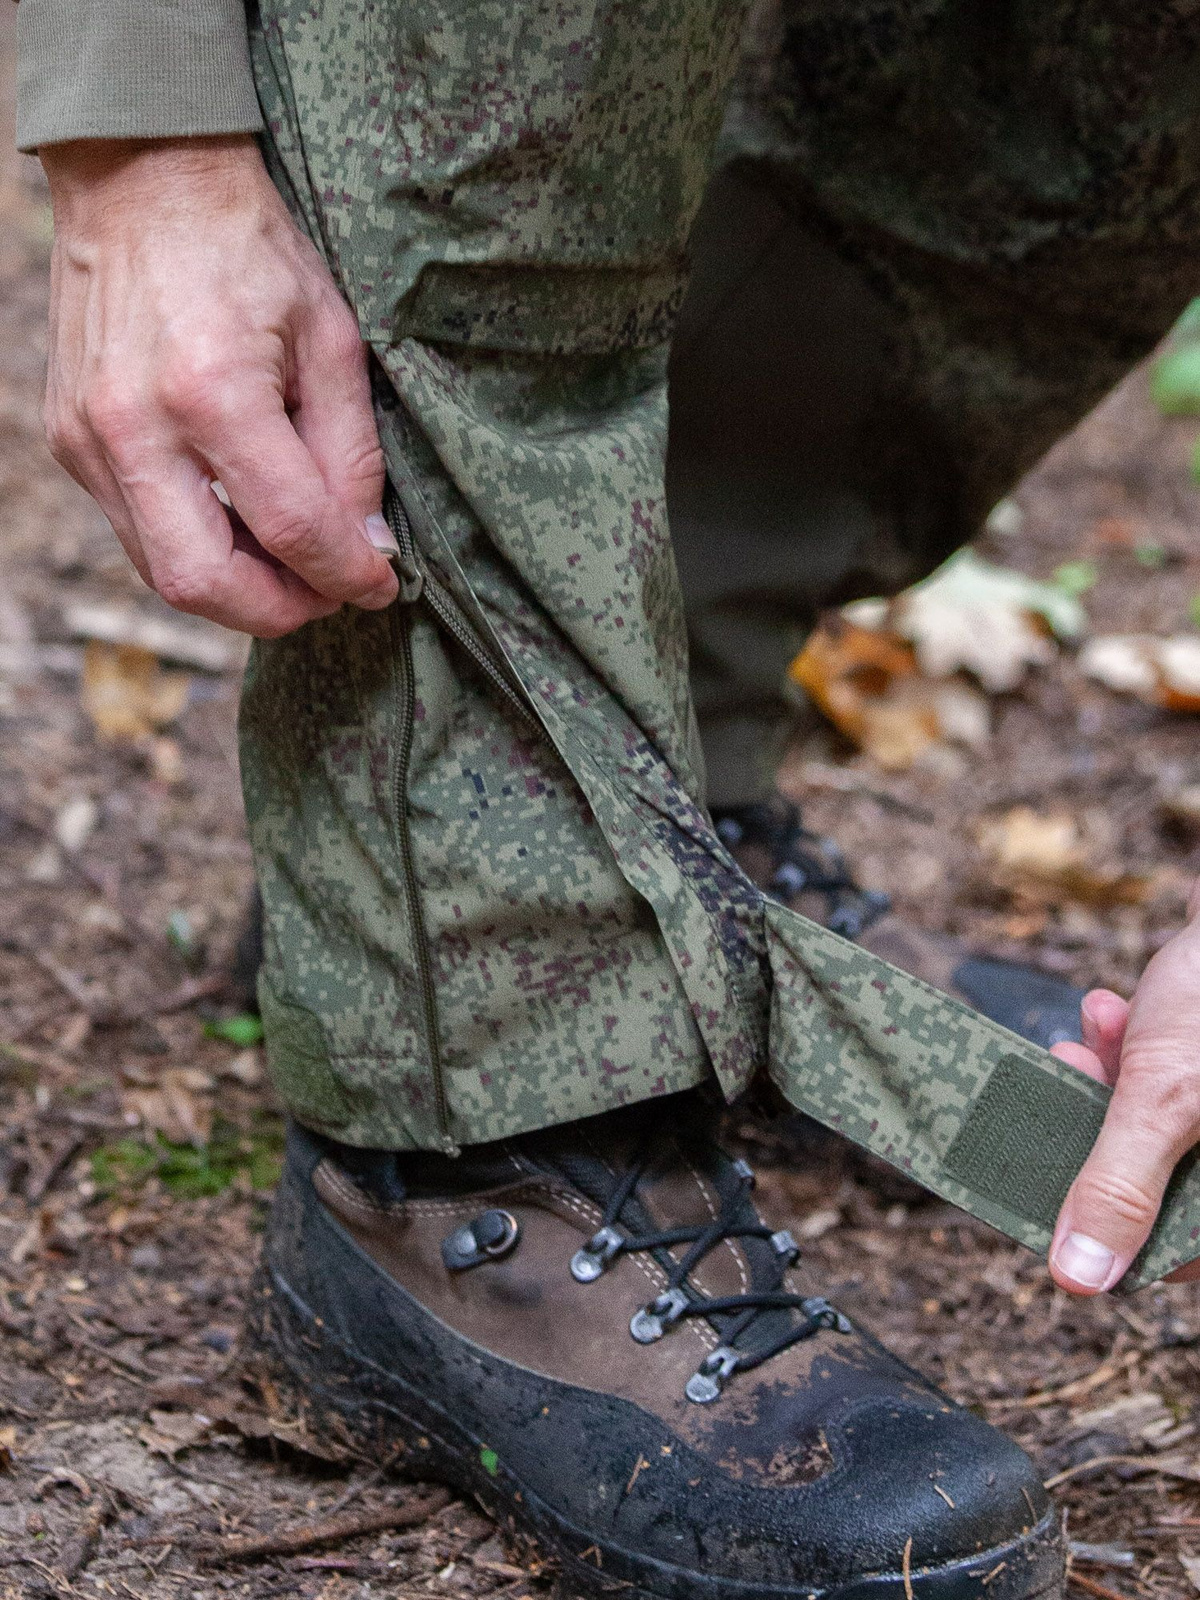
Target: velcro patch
1025 1138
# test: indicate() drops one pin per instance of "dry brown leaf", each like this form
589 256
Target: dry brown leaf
1163 672
169 1432
867 684
176 1107
127 694
1048 855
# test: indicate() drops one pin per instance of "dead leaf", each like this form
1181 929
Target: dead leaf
866 682
1163 672
1048 854
971 616
165 760
245 1068
169 1432
75 821
178 1107
127 694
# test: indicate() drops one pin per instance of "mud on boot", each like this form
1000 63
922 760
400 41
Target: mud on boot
591 1331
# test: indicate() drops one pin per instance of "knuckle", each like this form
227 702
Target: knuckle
185 588
115 414
1117 1196
364 458
291 536
66 436
339 335
1167 1091
198 388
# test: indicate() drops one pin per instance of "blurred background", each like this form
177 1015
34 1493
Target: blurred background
1010 752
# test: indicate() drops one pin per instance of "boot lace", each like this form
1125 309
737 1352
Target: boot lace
680 1300
802 860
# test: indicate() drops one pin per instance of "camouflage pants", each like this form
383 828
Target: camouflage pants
940 232
494 899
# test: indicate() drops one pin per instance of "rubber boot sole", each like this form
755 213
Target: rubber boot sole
353 1409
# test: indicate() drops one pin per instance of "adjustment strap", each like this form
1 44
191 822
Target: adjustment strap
959 1104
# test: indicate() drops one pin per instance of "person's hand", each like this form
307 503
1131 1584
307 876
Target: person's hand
196 336
1149 1052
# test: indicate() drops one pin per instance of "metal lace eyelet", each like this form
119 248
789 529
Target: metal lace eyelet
825 1315
746 1172
487 1238
652 1321
588 1263
706 1384
785 1245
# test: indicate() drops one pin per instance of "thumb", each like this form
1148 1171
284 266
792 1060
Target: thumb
1111 1207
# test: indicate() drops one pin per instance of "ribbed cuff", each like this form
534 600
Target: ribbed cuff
132 69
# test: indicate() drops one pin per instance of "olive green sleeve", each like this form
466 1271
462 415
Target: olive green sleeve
132 69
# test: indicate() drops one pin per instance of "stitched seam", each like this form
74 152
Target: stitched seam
349 1194
709 1201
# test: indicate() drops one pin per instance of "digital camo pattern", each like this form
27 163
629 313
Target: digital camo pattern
589 941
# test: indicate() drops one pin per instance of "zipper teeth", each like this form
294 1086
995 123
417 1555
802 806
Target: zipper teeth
420 941
446 612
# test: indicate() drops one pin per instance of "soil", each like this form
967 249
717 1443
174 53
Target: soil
138 1149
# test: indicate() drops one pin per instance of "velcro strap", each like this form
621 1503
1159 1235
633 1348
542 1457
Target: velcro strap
961 1105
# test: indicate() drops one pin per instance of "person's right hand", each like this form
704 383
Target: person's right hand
196 336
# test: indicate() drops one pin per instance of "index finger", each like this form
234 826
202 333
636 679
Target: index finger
247 439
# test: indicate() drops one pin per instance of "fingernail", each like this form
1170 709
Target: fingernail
1085 1261
380 536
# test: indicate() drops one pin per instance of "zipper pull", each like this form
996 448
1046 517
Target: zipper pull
412 579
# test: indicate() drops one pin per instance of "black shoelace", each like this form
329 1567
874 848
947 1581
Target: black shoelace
679 1300
803 861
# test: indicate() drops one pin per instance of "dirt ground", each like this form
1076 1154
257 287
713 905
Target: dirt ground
138 1149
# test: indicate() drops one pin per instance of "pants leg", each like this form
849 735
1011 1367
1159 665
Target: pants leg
940 234
464 938
479 818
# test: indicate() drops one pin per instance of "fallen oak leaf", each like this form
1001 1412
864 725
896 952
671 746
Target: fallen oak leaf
127 694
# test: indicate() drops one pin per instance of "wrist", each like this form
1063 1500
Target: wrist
99 180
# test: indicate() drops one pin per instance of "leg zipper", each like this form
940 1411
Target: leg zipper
402 641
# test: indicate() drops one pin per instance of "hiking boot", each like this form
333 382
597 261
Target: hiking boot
809 874
591 1331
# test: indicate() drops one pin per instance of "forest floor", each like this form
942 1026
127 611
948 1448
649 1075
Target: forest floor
138 1149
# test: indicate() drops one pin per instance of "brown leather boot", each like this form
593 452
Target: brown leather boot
592 1331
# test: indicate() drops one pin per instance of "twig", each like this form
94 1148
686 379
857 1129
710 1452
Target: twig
37 1186
363 1484
332 1530
79 1551
104 1014
1092 1586
1169 1469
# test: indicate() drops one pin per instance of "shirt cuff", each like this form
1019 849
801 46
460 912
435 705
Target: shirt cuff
132 69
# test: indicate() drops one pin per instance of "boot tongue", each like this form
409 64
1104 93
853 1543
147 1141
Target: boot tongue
688 1180
591 1156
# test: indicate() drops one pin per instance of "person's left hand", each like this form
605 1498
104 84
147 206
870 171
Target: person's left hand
1148 1051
